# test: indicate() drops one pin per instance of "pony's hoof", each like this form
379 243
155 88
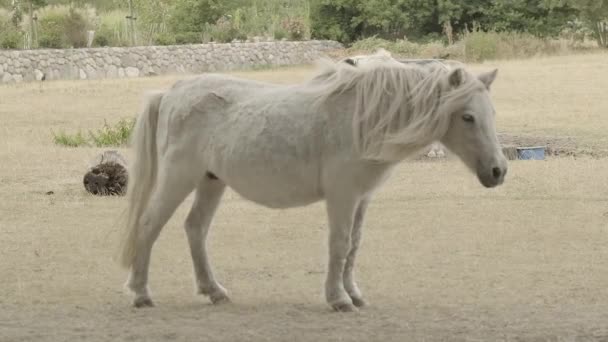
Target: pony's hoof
217 294
344 307
219 299
143 302
359 302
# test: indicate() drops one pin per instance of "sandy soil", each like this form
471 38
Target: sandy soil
442 257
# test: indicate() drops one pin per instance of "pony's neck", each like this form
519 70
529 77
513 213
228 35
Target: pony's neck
391 127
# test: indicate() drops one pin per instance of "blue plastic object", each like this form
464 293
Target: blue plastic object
531 153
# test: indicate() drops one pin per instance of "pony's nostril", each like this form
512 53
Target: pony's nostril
496 172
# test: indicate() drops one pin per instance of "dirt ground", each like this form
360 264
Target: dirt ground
442 257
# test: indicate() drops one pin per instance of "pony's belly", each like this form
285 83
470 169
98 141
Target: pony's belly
276 195
288 185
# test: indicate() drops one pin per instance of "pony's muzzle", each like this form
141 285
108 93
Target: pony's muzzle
492 176
498 172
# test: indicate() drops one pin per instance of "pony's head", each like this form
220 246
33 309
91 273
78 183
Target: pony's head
471 131
400 108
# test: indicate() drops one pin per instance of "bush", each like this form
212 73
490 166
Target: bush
224 31
295 28
51 32
279 34
192 16
75 28
479 45
115 136
164 39
474 46
101 39
188 38
113 27
334 21
68 140
11 39
61 28
10 36
400 47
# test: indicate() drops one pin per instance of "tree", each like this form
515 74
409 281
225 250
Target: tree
347 20
538 17
595 14
336 20
31 5
192 15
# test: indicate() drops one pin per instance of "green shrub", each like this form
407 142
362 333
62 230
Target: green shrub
474 46
11 39
525 45
16 16
480 45
62 27
400 47
294 27
101 39
192 16
51 34
75 28
64 139
108 136
279 34
10 35
224 31
335 20
188 38
113 26
50 41
164 39
117 135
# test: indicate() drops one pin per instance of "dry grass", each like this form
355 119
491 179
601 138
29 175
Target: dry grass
443 258
564 96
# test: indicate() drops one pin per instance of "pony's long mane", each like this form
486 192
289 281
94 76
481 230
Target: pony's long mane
398 108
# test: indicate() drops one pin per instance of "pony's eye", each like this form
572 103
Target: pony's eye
468 118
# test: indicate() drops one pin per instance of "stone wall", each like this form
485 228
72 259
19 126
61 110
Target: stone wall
115 62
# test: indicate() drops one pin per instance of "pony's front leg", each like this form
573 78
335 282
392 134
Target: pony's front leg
340 211
349 278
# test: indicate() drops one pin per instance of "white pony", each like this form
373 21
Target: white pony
336 137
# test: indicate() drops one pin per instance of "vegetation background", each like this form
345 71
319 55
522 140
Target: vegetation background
471 30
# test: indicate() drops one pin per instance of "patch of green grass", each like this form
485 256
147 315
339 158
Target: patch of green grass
117 135
64 139
108 136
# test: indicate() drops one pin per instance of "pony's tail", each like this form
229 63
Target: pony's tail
142 176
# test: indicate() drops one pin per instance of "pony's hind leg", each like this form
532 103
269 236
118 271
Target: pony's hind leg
355 236
208 195
172 186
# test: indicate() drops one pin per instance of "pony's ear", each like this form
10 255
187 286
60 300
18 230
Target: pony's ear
488 77
456 77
